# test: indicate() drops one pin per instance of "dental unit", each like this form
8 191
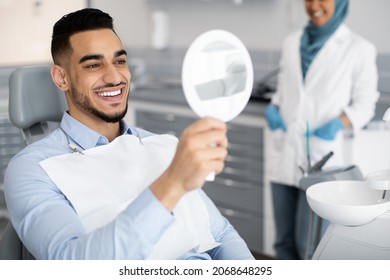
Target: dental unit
359 215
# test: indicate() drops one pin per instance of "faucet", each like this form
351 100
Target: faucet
386 118
386 115
380 180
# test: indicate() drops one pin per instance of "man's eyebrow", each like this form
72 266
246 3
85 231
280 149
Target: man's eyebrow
119 53
99 56
91 57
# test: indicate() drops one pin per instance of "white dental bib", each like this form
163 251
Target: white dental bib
103 181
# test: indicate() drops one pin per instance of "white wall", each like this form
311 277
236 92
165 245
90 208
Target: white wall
26 27
261 24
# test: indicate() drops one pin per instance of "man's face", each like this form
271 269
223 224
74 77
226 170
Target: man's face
320 11
99 77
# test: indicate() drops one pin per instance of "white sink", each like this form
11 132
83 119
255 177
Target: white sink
348 203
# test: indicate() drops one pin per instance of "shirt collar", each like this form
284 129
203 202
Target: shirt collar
85 137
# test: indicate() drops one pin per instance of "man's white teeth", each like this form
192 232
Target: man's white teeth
319 13
110 93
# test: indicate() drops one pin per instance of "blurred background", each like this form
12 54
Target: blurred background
156 34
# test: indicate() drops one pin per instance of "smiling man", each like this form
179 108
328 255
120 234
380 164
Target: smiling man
96 79
125 193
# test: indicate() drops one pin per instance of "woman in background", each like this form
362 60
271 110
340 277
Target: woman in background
327 83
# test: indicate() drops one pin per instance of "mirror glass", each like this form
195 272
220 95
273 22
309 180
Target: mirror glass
217 75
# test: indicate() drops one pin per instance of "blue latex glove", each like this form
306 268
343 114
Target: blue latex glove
274 119
329 130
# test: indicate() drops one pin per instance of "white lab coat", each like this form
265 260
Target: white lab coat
343 77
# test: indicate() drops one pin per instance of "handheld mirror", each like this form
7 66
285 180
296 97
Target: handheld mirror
217 75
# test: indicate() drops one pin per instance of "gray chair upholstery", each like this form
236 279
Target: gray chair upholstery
11 248
11 142
36 107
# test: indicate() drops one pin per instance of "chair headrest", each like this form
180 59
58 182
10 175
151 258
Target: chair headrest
33 97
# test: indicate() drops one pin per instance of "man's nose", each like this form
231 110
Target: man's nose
112 75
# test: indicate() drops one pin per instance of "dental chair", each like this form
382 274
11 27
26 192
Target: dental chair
36 107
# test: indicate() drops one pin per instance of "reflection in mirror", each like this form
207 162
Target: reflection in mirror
217 75
225 73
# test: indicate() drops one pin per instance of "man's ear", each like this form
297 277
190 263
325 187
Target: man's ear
59 77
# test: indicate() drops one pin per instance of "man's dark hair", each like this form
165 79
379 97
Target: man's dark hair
82 20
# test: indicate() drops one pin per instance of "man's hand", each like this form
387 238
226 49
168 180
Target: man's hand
202 149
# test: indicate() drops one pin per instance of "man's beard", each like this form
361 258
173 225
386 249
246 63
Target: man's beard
84 103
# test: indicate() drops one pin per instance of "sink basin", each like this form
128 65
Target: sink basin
379 179
348 203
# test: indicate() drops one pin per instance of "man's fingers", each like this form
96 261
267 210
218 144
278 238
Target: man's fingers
205 124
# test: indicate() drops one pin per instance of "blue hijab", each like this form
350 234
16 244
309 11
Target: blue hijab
314 37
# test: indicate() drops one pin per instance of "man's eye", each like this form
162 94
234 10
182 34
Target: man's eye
122 61
92 66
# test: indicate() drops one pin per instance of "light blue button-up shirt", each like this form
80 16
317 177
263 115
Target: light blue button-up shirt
50 228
